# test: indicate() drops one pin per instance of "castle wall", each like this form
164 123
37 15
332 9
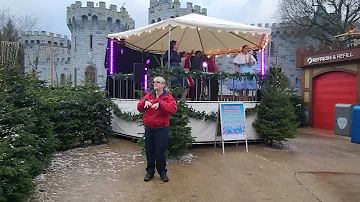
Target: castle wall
284 42
165 9
91 23
39 44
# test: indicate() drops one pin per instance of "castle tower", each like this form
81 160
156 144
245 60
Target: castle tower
89 27
164 9
48 55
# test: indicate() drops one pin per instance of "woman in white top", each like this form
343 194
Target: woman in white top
243 62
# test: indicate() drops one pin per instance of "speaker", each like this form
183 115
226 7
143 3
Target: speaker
139 71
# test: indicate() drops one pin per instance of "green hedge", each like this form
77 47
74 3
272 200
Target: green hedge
27 141
81 116
35 121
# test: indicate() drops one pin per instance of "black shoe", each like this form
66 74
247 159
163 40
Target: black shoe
148 177
164 178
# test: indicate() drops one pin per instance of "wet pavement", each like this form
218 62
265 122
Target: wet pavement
318 132
308 168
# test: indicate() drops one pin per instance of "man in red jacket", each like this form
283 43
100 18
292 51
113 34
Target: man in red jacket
158 106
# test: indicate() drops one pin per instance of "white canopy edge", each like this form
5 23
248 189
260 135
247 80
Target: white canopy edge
195 21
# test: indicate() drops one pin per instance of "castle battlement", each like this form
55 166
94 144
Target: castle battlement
100 5
164 9
41 38
279 29
269 25
98 15
175 4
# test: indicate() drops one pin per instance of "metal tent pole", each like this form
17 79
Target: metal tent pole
168 63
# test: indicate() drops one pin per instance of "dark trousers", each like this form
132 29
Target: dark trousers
214 89
196 90
156 142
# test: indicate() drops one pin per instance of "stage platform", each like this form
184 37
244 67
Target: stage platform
202 131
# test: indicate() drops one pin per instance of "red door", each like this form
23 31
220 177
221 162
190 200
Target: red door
330 89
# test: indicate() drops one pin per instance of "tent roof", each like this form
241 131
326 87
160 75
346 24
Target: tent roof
194 31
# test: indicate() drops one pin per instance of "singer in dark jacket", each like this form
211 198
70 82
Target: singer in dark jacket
158 106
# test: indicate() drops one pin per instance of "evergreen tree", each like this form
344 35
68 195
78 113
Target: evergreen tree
27 141
276 120
9 32
299 107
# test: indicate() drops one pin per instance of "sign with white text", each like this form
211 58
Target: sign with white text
232 118
329 58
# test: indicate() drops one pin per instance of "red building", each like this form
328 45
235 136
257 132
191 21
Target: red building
329 76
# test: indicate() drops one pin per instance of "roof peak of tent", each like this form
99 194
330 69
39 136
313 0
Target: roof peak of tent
199 17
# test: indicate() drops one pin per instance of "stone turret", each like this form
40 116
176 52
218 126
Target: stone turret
164 9
189 5
89 27
56 57
98 17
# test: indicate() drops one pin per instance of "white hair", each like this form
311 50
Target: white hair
162 80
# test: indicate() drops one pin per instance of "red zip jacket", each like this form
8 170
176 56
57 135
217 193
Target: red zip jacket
160 117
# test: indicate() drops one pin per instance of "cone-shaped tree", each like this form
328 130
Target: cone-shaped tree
276 120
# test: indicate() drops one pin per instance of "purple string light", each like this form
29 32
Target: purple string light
263 62
111 57
145 80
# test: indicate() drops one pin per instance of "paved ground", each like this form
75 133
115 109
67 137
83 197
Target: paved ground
318 132
310 168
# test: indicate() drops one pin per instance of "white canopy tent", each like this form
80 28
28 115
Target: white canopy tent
198 32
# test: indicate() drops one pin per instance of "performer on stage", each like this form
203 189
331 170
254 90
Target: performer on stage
158 105
186 65
175 60
214 83
196 65
243 62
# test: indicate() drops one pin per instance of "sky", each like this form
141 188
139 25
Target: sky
52 14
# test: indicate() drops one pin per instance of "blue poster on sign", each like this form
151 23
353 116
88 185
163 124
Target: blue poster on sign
232 118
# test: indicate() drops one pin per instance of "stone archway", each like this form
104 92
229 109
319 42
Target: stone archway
90 75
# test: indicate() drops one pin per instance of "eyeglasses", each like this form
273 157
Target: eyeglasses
157 82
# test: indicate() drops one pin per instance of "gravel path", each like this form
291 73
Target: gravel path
308 169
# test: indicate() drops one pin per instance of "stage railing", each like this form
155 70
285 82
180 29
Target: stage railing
124 87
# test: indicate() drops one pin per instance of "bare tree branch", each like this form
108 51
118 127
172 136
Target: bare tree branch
21 22
323 20
12 25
